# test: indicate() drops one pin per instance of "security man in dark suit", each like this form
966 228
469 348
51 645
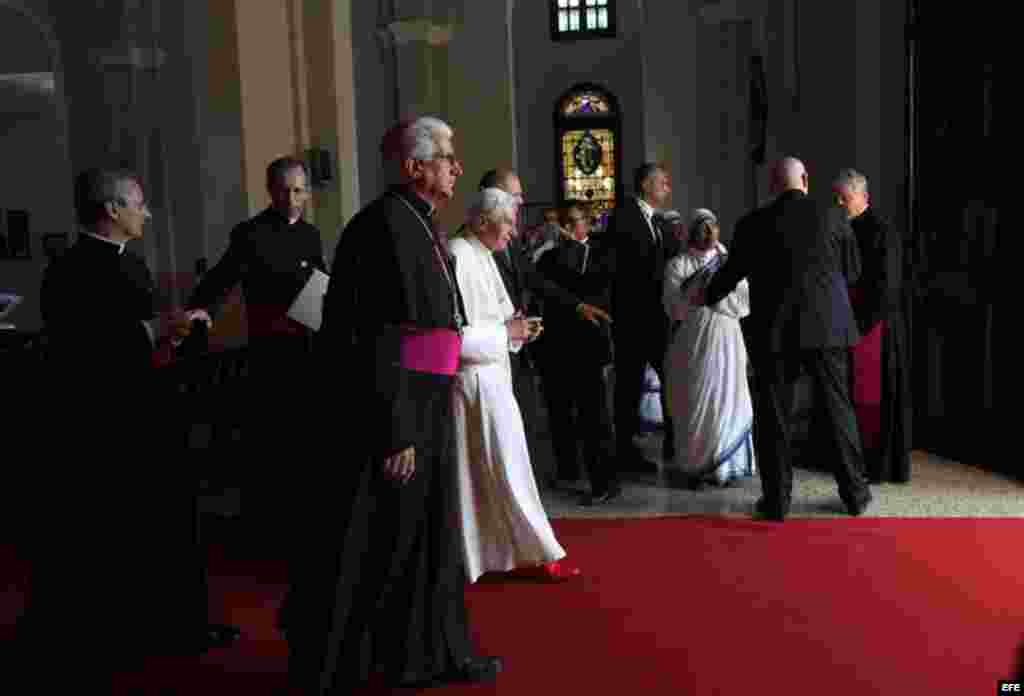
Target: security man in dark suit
801 318
641 330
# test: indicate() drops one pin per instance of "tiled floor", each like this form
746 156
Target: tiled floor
938 488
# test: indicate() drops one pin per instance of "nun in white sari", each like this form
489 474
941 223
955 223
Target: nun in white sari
504 525
706 366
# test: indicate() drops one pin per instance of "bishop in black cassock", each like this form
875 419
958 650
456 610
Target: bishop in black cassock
881 386
379 588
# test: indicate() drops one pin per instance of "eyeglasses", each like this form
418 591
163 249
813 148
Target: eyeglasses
448 157
137 205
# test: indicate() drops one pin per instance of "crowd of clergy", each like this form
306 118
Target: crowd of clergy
434 349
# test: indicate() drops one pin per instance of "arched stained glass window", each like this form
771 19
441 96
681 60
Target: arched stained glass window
588 148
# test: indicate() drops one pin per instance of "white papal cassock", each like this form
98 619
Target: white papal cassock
504 525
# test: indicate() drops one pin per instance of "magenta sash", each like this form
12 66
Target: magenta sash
866 380
435 351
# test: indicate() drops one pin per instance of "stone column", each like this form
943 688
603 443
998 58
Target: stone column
421 48
328 109
481 101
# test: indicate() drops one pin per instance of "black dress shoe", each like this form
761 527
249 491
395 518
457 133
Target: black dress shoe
857 507
219 636
476 670
764 511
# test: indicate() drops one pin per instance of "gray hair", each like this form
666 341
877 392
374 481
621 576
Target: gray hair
96 187
419 139
490 203
851 179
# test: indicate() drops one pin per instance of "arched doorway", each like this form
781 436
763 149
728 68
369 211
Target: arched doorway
588 148
35 187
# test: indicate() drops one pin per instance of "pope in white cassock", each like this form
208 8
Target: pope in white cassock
504 525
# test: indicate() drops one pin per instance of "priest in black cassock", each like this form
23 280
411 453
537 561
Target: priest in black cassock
272 255
379 589
881 370
117 572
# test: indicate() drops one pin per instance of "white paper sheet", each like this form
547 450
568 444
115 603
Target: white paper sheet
307 309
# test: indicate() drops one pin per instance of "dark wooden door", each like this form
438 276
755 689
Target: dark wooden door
957 150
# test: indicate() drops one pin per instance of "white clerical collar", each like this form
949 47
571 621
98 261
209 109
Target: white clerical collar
645 207
119 245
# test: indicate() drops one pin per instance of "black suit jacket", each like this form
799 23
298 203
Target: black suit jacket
639 267
567 335
522 278
271 259
791 252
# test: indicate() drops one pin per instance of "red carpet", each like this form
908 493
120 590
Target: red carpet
700 606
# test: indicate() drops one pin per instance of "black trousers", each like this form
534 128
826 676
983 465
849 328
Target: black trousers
279 424
833 423
579 415
635 348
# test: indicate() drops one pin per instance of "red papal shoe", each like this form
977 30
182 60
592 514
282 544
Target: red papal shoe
557 571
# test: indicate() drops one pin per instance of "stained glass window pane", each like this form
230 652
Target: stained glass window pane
591 18
563 20
563 3
574 20
602 18
591 3
594 181
586 103
574 3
